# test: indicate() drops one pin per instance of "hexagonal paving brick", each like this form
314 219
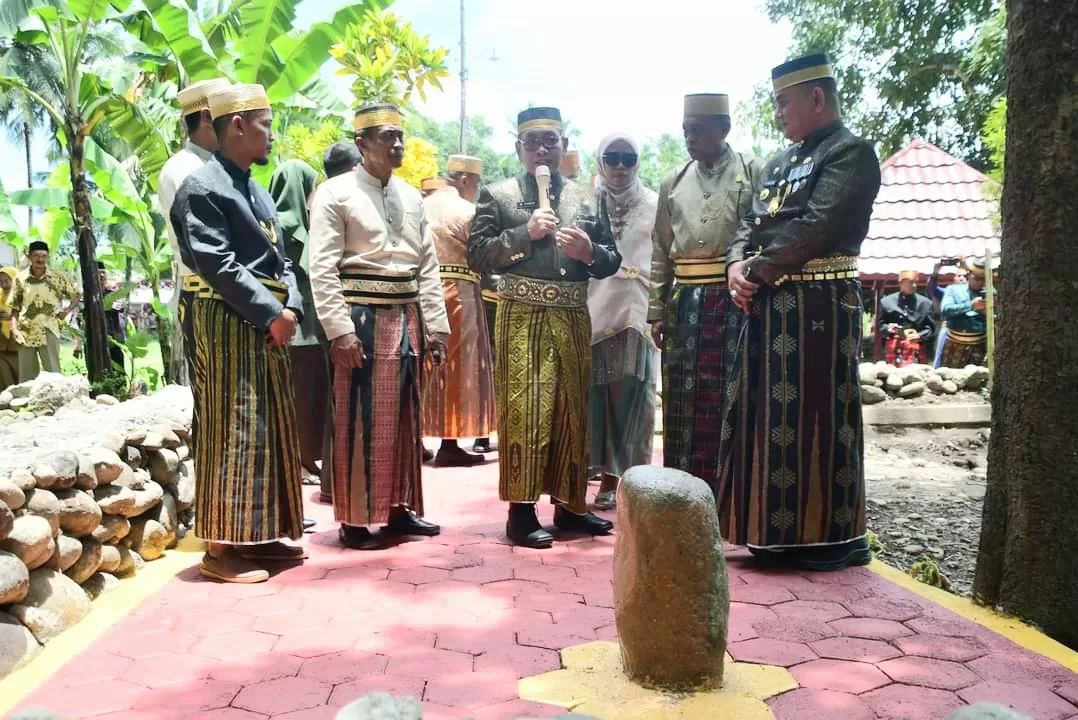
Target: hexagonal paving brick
806 703
235 644
171 669
94 699
283 695
216 623
392 684
585 617
549 601
1019 667
859 649
610 632
839 675
186 700
1068 691
515 588
429 664
554 637
152 644
268 605
343 667
906 702
394 640
95 666
419 575
555 575
230 713
292 622
252 669
474 641
871 628
885 608
759 594
516 709
523 661
811 610
833 593
349 576
323 712
927 672
325 641
943 648
472 690
1036 702
517 619
952 627
766 651
793 630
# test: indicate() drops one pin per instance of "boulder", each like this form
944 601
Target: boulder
114 442
132 456
871 395
183 452
17 644
894 382
68 550
111 529
182 430
382 706
79 513
54 604
11 494
130 479
169 438
6 396
185 485
104 399
44 503
148 538
22 390
110 559
57 470
87 478
7 520
166 514
869 373
934 384
115 500
950 387
147 498
978 377
127 561
986 711
671 597
88 563
14 579
163 465
107 465
152 441
24 479
136 437
31 539
19 403
914 389
100 583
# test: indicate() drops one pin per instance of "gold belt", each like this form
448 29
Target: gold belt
491 296
458 272
550 293
380 288
840 267
702 271
204 291
960 337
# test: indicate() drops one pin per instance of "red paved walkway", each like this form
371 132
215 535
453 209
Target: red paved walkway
457 619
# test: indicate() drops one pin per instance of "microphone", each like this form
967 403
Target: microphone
542 179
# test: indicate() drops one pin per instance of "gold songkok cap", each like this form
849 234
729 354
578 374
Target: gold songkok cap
377 116
908 275
465 164
539 118
237 99
432 183
193 98
802 70
707 104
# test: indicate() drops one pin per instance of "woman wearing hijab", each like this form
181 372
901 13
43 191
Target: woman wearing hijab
291 186
624 357
9 349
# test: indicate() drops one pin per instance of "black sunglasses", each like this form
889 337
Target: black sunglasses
625 159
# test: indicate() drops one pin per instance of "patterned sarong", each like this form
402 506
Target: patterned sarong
695 351
246 449
791 462
542 377
963 348
622 402
373 456
459 397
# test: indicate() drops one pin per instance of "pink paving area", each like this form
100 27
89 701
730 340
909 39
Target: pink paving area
458 618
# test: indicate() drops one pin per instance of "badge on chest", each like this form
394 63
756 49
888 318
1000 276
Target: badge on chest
798 173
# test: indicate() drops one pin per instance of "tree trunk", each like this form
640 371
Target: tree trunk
27 136
1028 561
96 347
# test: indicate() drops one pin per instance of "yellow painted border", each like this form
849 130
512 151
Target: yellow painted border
1011 628
109 609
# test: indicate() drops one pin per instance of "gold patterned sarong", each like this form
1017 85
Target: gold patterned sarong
542 377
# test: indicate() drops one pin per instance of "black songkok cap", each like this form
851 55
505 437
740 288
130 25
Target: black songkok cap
802 70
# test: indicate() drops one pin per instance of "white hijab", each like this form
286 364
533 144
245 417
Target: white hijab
620 301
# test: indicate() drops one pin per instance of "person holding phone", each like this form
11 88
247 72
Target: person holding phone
546 249
963 305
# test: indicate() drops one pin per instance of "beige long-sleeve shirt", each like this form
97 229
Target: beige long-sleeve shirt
698 213
358 225
450 217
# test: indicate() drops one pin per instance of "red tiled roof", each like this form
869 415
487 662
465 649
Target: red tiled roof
929 207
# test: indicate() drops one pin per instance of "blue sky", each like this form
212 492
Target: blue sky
607 67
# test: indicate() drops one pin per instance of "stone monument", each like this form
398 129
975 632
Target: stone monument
671 598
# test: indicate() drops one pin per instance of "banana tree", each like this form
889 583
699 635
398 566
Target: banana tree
83 99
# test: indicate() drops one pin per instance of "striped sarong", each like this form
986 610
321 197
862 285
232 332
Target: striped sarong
373 455
694 358
542 376
246 445
459 397
792 455
963 348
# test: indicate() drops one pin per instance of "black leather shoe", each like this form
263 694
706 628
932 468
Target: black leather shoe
457 457
360 538
588 523
308 523
523 528
428 455
839 557
482 445
406 522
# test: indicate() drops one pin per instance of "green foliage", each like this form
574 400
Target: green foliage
874 543
660 157
909 68
446 138
303 142
389 60
927 571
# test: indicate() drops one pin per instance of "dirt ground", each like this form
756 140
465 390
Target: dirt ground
925 489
